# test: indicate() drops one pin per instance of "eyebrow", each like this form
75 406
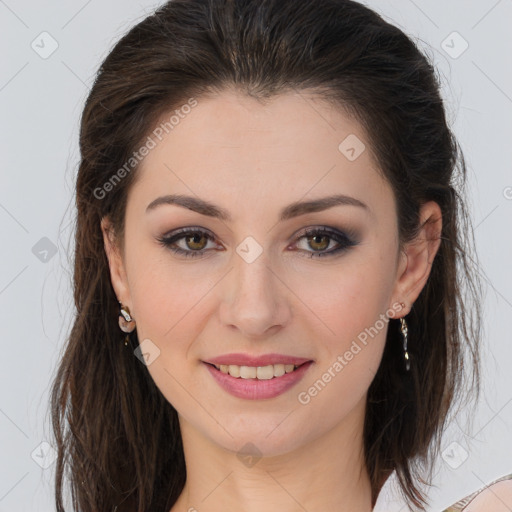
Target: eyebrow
292 210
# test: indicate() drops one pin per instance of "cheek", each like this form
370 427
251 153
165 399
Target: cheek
349 351
166 292
168 302
170 306
351 299
353 304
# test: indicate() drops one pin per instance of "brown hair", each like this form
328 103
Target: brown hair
110 420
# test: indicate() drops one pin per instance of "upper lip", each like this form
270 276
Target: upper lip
263 360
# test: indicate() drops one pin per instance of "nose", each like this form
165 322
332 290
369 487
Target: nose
254 299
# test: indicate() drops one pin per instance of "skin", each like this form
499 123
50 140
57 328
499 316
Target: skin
252 160
495 498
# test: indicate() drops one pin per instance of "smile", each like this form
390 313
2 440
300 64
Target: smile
257 372
257 382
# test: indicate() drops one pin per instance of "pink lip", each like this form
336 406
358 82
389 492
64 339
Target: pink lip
263 360
254 389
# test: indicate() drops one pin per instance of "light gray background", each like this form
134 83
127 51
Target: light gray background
41 100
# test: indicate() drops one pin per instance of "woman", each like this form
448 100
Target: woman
268 208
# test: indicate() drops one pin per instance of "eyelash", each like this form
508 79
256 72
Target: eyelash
346 241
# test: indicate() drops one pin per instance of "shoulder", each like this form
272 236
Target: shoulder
496 497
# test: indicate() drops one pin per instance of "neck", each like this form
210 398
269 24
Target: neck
327 474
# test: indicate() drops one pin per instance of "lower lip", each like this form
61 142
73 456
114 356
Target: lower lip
255 389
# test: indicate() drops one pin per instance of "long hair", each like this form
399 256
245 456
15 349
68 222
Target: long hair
117 437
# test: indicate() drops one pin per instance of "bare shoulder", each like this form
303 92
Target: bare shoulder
495 498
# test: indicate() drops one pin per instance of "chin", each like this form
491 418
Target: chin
260 437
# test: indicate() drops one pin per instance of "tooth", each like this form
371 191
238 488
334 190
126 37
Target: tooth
248 372
279 370
265 372
234 370
261 372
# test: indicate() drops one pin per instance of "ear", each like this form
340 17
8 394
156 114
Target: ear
418 255
115 261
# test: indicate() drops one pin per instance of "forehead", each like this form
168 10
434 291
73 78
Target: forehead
232 146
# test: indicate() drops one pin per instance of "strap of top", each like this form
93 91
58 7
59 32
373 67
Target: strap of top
463 503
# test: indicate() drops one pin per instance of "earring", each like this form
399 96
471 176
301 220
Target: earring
403 329
125 319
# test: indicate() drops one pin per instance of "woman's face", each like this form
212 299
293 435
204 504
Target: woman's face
253 282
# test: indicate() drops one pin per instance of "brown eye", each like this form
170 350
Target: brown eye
319 242
196 241
188 242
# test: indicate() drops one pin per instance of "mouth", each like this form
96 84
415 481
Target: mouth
268 372
258 382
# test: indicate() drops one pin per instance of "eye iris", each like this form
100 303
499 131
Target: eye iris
325 238
195 237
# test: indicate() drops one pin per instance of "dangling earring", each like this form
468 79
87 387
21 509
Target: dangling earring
403 329
125 319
